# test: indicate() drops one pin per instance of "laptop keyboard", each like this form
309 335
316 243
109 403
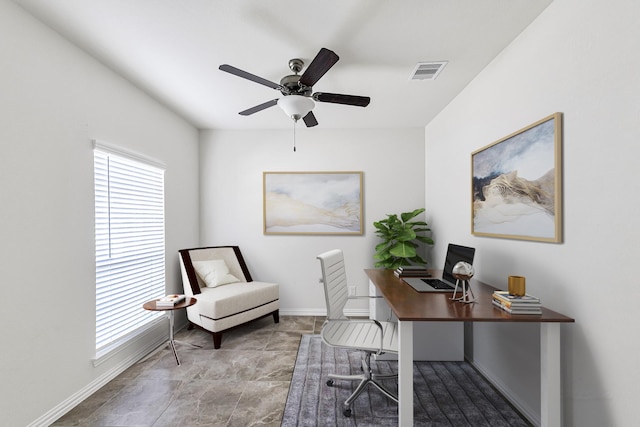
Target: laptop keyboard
437 284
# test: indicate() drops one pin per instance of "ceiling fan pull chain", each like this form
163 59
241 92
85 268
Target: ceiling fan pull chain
294 136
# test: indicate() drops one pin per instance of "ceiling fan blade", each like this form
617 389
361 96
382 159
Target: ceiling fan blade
240 73
337 98
310 120
324 60
260 107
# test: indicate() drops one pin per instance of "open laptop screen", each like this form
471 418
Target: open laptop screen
455 254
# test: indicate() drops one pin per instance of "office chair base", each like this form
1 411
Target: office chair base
366 378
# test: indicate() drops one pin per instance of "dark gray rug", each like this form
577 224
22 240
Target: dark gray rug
445 393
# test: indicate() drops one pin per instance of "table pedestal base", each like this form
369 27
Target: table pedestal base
172 345
172 342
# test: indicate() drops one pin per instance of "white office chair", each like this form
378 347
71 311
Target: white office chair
369 336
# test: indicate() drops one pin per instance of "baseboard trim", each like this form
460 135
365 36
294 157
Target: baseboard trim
157 343
527 412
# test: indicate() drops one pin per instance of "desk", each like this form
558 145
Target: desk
410 306
188 302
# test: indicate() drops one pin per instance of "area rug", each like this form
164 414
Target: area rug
445 393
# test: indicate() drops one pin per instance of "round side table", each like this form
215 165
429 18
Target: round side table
188 302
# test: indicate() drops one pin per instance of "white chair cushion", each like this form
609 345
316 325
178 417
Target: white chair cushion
214 272
223 301
361 334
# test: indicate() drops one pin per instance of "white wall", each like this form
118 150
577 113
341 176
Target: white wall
54 100
579 58
232 163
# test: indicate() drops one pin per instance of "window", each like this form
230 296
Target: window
130 254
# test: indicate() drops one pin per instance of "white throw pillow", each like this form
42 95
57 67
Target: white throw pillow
214 272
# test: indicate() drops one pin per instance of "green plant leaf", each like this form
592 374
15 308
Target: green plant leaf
425 239
418 223
400 240
405 235
380 247
403 250
420 230
380 225
408 215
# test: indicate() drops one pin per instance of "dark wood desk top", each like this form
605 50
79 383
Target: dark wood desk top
411 305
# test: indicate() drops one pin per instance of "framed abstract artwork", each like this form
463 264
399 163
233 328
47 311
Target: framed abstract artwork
517 184
312 203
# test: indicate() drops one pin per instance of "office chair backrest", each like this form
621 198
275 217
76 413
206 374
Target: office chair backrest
334 278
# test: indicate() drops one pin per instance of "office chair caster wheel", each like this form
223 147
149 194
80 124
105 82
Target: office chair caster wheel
347 412
330 383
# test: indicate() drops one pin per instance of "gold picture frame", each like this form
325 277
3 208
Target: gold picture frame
516 184
312 203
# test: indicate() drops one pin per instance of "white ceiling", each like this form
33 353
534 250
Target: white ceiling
172 49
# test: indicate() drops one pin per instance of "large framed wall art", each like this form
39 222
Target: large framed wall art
312 203
517 184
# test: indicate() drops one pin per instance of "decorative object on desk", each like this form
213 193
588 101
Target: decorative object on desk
312 203
411 271
525 304
400 239
170 300
517 286
463 271
516 184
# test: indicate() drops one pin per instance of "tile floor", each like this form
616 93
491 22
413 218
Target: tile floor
244 383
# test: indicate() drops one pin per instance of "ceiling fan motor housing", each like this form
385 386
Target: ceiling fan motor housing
292 86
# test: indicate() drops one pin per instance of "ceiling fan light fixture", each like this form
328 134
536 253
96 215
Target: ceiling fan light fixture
296 106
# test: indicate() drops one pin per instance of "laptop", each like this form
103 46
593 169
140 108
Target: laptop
455 254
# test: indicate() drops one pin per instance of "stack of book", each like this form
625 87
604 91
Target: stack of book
512 304
411 271
170 300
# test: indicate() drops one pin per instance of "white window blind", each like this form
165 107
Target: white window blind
130 254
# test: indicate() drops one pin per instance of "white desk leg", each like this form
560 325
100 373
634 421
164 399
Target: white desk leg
550 386
405 374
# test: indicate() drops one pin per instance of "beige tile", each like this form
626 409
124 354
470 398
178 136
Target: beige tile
232 365
138 404
284 341
244 383
296 323
275 366
202 403
244 339
261 404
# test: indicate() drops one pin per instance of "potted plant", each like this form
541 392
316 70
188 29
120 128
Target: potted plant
400 239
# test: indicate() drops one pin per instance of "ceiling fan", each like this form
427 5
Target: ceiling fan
298 100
